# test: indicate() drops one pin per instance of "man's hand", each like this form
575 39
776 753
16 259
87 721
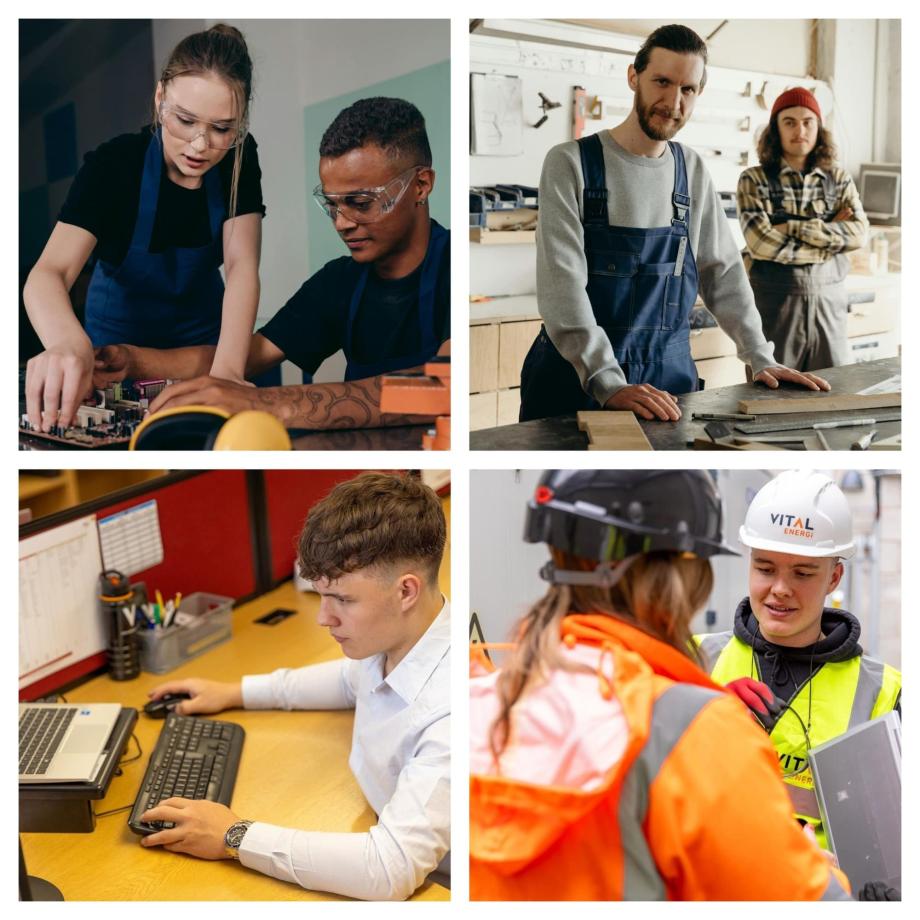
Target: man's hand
200 827
206 695
112 364
771 376
209 391
759 698
646 401
845 213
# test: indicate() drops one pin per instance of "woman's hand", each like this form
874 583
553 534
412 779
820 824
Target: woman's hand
57 381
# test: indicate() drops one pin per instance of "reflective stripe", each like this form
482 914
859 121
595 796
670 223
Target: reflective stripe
672 714
890 694
711 646
834 891
641 881
867 690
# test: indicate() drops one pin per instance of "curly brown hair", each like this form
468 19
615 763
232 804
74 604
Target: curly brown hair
770 149
374 520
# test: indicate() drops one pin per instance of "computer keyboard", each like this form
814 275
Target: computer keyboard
194 758
40 734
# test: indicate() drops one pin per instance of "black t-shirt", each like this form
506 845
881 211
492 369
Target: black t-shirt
104 196
312 324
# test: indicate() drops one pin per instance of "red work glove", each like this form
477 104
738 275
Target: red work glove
759 698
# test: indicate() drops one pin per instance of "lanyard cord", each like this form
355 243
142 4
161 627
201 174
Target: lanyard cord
790 707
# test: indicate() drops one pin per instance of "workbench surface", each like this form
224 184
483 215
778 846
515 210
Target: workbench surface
561 432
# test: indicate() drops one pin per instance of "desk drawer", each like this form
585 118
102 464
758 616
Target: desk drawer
514 342
483 410
483 358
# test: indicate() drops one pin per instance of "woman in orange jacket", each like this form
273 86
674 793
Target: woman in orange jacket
606 764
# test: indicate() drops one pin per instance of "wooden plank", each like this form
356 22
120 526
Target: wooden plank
828 403
613 431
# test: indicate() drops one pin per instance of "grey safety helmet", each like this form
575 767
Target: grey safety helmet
614 515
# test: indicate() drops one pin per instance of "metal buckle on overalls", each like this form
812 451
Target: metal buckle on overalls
681 206
595 204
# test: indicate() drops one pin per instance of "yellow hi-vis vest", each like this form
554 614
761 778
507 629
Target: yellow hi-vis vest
842 694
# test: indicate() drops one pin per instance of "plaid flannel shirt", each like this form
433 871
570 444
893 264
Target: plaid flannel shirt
803 242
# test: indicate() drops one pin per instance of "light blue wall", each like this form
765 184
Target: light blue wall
427 88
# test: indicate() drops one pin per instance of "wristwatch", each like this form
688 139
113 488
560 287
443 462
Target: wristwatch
234 837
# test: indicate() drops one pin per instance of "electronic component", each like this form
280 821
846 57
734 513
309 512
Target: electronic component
108 422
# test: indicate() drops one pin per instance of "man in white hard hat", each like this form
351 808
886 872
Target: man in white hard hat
796 663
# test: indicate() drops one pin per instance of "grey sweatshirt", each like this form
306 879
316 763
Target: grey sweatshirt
639 195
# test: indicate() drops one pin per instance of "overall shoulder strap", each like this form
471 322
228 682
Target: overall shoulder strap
594 199
680 197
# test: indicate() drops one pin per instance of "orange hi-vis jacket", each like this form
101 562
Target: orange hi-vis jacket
692 806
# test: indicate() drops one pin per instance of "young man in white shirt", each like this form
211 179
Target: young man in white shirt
373 549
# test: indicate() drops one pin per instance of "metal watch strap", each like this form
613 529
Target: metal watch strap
234 837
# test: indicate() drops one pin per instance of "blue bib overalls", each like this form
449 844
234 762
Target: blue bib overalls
437 242
160 299
642 284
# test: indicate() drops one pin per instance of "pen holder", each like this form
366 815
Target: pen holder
205 622
115 594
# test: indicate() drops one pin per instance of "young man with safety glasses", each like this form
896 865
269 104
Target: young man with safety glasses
797 664
386 305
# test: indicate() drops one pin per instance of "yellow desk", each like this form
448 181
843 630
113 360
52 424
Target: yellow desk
293 772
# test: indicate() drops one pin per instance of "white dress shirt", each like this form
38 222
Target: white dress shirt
400 756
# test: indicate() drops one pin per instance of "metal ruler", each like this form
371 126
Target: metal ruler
760 427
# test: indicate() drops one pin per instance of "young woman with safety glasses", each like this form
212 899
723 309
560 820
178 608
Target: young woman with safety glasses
161 210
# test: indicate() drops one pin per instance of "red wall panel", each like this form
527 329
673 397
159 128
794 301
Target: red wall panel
289 494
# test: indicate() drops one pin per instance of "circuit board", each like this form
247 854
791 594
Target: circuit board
107 423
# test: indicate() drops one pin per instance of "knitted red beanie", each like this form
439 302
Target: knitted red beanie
798 95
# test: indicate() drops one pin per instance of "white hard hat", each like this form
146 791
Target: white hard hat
801 512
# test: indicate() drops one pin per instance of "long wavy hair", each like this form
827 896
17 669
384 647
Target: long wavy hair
659 593
770 149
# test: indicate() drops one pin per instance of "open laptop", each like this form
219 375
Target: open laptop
858 783
63 742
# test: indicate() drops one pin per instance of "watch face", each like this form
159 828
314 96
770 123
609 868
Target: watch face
236 833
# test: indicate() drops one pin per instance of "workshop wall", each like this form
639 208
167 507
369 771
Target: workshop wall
858 61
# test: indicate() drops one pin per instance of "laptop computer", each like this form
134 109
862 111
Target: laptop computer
63 742
858 784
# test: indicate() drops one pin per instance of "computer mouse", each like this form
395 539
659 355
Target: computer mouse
161 708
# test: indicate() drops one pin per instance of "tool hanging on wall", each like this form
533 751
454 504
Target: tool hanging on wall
546 105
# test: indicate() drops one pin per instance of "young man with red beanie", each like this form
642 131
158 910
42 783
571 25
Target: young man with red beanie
800 213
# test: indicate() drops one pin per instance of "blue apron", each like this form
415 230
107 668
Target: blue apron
430 341
642 284
160 299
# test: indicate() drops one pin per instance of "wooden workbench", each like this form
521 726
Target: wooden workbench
561 433
293 772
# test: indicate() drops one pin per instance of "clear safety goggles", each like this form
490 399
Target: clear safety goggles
366 205
185 127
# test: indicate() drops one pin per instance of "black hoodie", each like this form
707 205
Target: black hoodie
784 669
